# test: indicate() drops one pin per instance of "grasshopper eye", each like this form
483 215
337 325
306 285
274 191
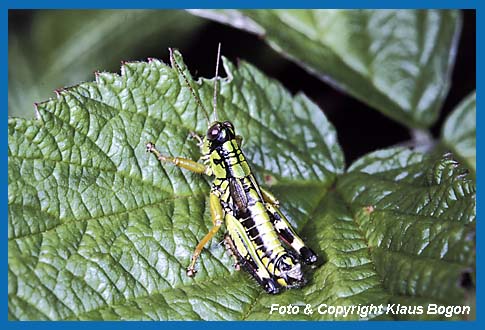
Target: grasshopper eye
213 132
228 124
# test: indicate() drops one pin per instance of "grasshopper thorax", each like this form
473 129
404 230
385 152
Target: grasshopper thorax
225 157
219 133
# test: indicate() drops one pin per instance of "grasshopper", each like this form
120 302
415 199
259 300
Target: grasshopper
256 228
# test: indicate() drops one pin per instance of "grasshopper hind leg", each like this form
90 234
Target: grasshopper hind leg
240 248
269 284
231 248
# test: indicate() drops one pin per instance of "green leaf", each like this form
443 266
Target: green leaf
69 45
98 229
459 132
397 61
398 229
417 217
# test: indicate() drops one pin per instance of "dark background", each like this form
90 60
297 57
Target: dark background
360 129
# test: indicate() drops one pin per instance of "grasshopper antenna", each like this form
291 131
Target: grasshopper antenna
196 97
215 82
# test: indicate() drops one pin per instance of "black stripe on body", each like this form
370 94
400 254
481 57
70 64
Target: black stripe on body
250 211
285 234
231 156
258 221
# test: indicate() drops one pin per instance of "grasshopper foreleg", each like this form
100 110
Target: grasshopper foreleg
185 163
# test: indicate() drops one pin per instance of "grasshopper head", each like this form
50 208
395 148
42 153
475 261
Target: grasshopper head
220 132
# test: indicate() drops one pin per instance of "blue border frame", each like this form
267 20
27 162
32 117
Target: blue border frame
103 4
200 4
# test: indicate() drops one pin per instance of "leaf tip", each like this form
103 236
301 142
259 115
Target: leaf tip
59 91
36 111
128 68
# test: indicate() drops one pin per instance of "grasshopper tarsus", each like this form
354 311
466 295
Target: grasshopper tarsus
191 272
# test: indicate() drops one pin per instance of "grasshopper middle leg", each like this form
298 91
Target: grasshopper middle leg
217 215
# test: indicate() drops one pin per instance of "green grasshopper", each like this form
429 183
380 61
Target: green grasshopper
255 225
